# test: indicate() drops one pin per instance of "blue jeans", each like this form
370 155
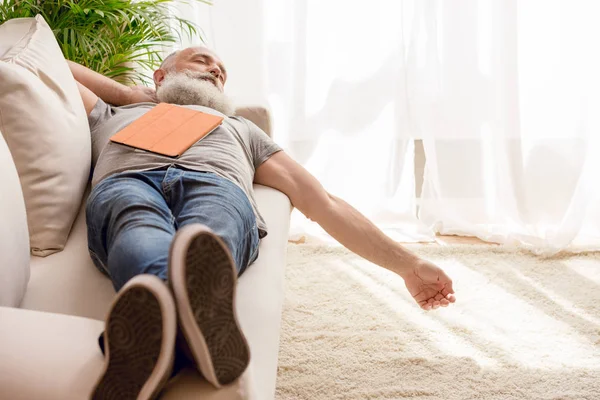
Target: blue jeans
132 218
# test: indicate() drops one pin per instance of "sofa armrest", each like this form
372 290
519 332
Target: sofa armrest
48 356
14 235
259 115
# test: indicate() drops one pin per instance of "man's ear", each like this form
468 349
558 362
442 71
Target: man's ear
159 76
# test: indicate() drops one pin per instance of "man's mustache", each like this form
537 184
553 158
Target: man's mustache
202 76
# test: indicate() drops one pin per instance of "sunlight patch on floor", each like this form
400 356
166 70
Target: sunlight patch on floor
488 324
587 269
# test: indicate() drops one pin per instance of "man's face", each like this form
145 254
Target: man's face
194 76
199 60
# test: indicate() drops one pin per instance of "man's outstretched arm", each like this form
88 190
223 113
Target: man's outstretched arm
110 91
428 284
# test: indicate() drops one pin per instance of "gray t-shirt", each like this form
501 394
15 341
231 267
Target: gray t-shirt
233 150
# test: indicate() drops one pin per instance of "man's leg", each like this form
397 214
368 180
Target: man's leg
130 226
130 230
208 199
217 239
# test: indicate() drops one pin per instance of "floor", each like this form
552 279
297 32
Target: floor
523 327
440 239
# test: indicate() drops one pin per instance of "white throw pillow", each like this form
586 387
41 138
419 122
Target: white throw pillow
14 241
44 123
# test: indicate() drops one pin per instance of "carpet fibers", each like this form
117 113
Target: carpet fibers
523 327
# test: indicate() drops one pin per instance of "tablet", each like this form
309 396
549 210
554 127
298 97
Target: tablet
167 129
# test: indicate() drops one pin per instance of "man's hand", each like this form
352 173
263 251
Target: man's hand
142 94
429 285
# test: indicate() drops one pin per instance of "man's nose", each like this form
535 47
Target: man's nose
215 71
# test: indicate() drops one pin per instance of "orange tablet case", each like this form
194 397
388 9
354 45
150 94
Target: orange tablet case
167 129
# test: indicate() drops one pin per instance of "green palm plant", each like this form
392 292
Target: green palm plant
117 38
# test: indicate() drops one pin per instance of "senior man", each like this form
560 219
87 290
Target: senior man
173 234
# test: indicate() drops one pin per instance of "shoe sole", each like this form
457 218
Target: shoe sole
203 277
140 341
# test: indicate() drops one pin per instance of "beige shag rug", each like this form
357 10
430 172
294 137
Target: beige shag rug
523 327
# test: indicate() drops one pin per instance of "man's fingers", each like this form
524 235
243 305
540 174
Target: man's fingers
426 294
446 281
449 286
426 306
448 289
435 302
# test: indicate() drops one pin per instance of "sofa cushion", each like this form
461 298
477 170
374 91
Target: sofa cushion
14 240
13 33
45 126
260 116
68 282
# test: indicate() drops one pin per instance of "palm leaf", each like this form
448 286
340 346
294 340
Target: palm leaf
112 37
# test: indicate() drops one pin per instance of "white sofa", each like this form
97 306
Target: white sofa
48 340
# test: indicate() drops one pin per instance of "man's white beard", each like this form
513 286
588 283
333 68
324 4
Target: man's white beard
191 88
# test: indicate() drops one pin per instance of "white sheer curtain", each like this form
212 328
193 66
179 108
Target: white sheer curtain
337 85
506 97
504 94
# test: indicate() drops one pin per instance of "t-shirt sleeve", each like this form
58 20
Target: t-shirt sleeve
100 113
262 146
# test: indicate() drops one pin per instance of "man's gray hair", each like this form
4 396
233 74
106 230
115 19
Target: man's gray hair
168 60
